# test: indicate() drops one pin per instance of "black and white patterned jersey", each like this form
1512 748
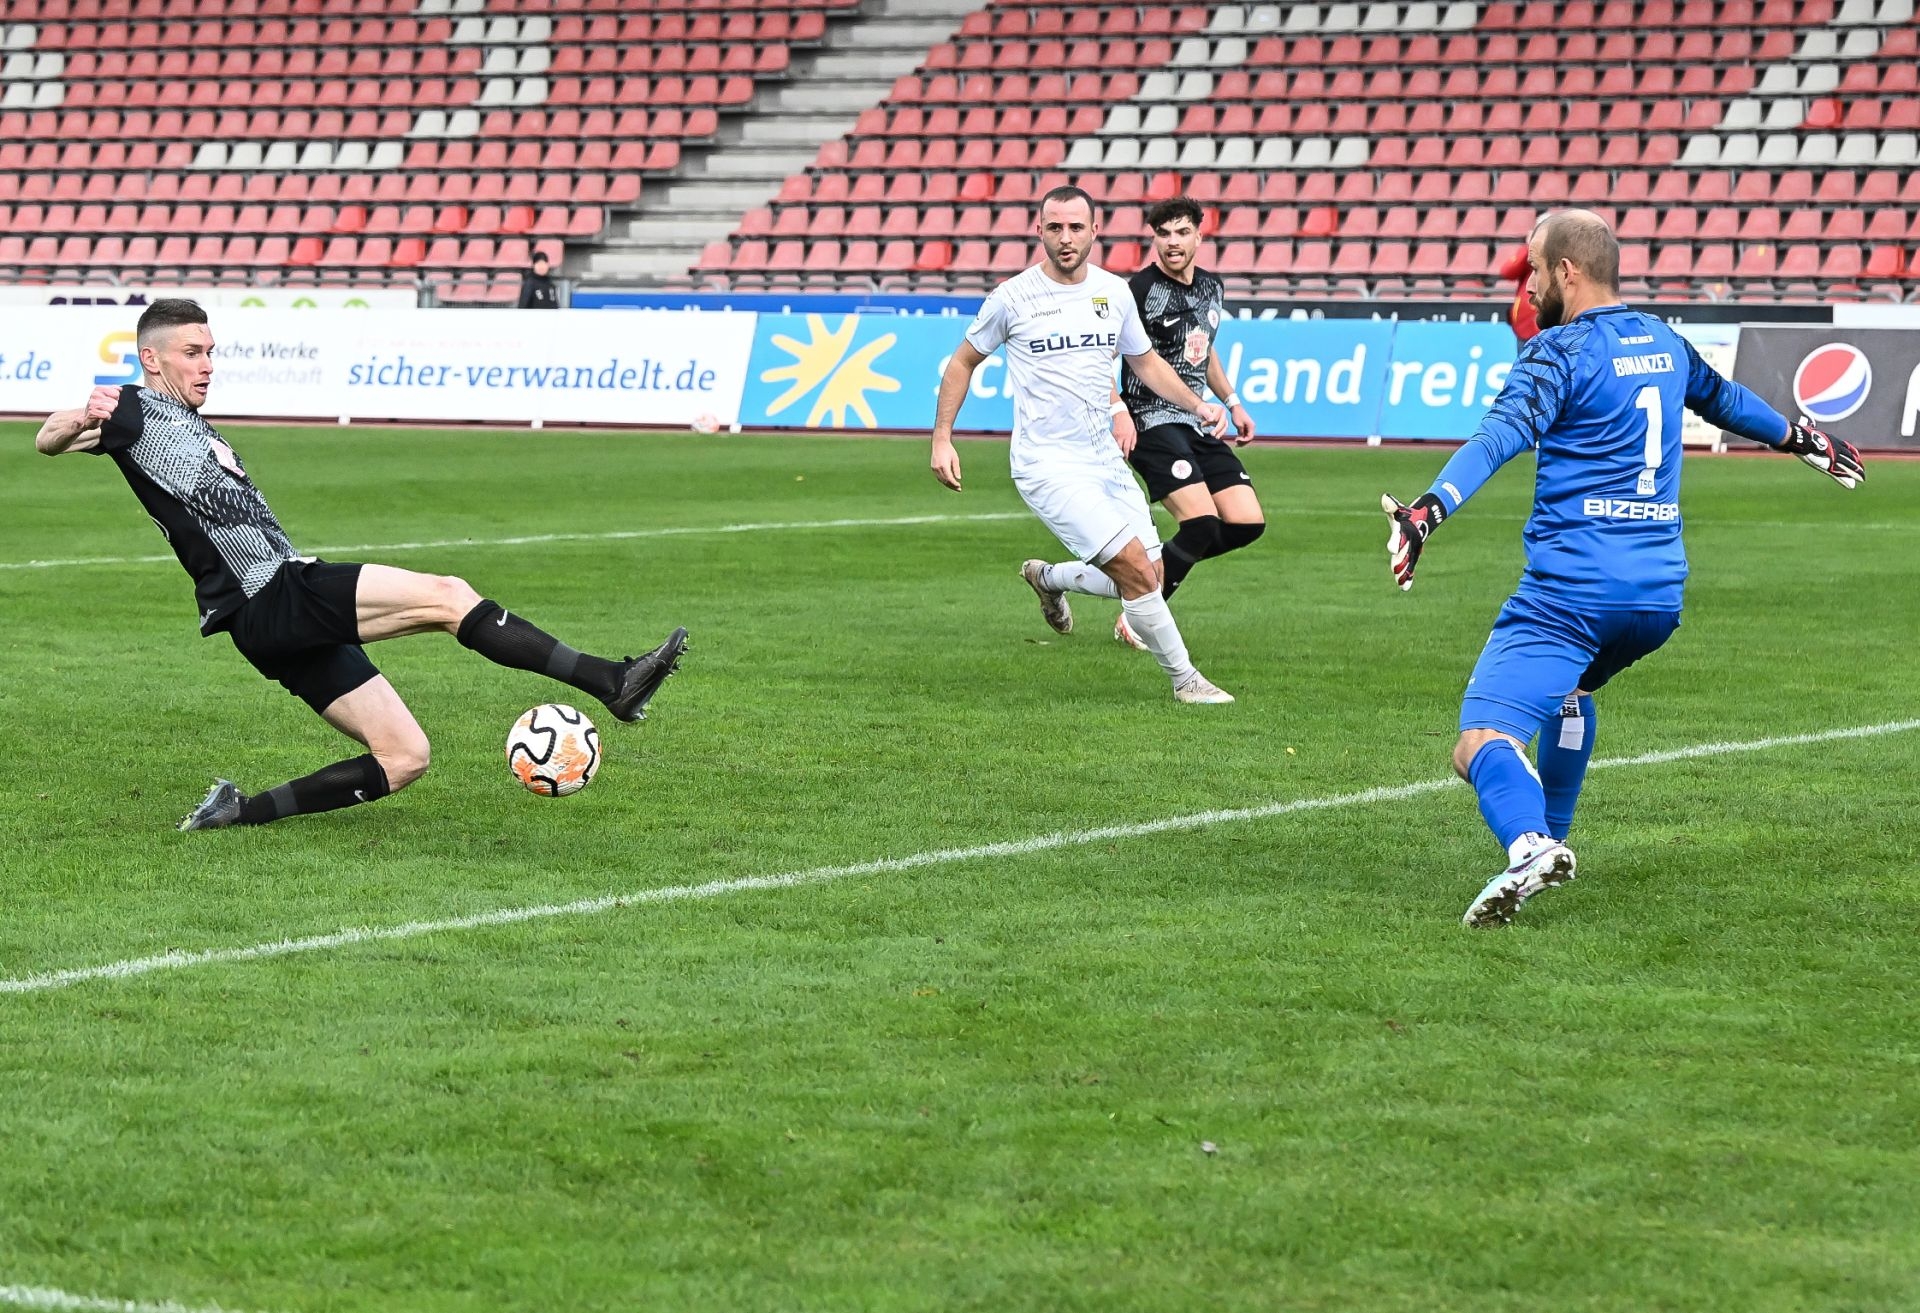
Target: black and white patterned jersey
1182 319
198 494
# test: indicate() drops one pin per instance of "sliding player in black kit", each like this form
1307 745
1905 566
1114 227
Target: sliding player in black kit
298 620
1199 479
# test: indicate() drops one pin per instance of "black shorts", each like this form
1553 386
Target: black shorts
303 630
1172 456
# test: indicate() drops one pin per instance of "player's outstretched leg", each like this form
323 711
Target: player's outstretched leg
392 602
1514 805
373 714
1148 616
1566 745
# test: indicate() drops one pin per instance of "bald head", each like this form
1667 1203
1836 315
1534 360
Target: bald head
1576 266
1582 237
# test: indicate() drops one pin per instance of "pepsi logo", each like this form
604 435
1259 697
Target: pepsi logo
1832 382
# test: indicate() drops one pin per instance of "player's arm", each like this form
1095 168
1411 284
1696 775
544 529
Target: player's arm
1536 391
1160 376
953 391
1721 401
1126 434
77 429
1223 388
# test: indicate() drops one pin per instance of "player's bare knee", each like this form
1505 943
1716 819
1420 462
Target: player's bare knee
404 758
455 598
1469 745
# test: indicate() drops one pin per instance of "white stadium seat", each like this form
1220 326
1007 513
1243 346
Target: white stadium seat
1898 148
1857 148
1194 87
1700 152
1312 153
1235 153
1274 153
1122 121
1784 115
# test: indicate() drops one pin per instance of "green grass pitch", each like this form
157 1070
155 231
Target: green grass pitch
1256 1065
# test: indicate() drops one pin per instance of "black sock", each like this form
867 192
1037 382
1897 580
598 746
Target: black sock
343 784
505 639
1196 540
1235 536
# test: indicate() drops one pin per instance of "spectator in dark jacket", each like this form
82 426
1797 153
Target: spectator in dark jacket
537 291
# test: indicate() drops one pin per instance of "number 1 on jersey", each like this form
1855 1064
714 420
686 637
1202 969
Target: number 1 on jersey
1648 399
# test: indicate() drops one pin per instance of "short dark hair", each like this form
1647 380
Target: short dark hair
1585 239
1174 207
168 312
1069 193
540 257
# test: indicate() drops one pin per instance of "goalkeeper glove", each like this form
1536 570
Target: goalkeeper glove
1411 525
1838 460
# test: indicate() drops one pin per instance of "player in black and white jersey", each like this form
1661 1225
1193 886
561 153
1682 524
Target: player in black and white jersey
299 620
1196 476
1063 323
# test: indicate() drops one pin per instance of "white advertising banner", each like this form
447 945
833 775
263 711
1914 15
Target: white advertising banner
252 298
556 366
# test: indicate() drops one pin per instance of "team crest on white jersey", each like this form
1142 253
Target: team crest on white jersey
1102 307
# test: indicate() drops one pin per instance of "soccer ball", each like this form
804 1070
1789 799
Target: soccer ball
553 750
706 422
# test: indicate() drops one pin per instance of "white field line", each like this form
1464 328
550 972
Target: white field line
895 521
623 535
59 1301
175 960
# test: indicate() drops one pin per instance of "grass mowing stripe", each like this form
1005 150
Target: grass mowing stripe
618 535
172 961
59 1301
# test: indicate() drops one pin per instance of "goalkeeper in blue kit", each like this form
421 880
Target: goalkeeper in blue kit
1599 395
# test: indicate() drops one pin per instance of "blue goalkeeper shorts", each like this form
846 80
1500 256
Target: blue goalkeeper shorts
1539 652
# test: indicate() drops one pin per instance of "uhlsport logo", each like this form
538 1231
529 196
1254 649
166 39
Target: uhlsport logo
1832 382
121 358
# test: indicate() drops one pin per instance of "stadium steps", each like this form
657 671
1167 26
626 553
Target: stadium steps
780 136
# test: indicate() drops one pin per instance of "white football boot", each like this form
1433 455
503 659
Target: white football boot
1200 689
1053 603
1123 633
1543 869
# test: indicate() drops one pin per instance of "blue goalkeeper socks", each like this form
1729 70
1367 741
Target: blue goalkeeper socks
1566 745
1510 795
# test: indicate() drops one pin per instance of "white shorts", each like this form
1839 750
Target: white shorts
1088 506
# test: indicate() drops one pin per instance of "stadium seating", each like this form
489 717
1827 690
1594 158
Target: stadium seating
1745 147
295 141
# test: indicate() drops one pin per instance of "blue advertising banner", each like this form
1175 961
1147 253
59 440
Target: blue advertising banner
1308 378
1330 378
863 372
1443 377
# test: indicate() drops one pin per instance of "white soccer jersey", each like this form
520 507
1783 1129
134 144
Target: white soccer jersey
1061 342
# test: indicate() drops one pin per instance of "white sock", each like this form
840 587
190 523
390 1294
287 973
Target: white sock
1523 848
1079 577
1149 617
